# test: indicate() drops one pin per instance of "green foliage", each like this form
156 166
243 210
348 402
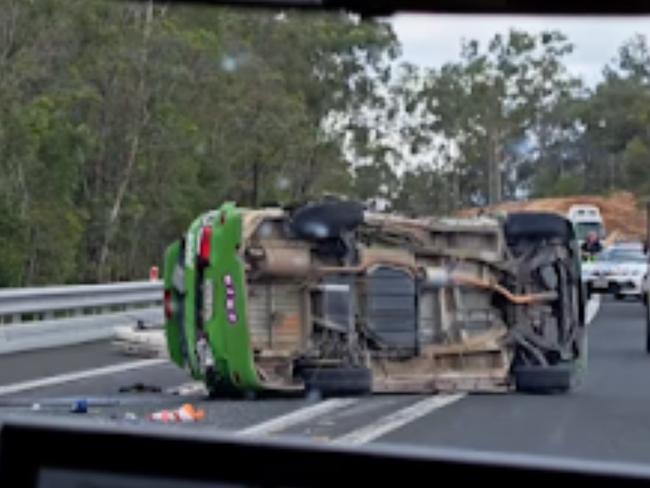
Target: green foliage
121 121
492 101
562 186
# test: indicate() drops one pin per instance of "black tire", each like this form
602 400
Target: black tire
345 381
553 374
619 297
559 378
538 226
326 220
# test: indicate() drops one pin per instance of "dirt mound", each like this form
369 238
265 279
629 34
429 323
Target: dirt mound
624 217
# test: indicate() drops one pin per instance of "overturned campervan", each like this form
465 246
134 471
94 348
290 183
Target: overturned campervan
329 297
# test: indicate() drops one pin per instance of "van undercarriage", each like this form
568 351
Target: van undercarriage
332 298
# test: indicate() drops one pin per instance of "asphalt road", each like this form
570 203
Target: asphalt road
606 418
38 364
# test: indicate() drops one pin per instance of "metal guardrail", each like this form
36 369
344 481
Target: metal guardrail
34 335
18 304
35 318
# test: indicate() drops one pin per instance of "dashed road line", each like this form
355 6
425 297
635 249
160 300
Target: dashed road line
397 419
78 375
296 417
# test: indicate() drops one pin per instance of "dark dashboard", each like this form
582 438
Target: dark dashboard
75 453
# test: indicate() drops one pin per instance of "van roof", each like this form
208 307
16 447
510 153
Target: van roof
584 212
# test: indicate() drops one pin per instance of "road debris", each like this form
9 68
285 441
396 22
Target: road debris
194 388
186 413
130 416
140 388
80 406
134 341
60 403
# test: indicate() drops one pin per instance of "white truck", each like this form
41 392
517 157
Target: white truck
586 219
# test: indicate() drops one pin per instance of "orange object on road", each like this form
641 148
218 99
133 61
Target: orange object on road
186 413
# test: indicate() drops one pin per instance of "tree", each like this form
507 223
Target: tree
491 104
120 122
613 139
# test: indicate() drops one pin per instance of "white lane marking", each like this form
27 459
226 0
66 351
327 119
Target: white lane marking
297 417
78 375
397 419
593 305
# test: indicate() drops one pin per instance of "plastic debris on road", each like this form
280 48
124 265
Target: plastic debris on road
140 388
186 413
80 406
189 389
129 417
147 342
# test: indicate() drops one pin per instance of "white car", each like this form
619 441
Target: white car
619 270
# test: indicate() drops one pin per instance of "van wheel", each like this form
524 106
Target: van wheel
344 381
557 378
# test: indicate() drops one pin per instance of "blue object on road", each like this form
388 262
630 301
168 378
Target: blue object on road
80 406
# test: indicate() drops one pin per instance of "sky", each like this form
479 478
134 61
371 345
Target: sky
432 40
